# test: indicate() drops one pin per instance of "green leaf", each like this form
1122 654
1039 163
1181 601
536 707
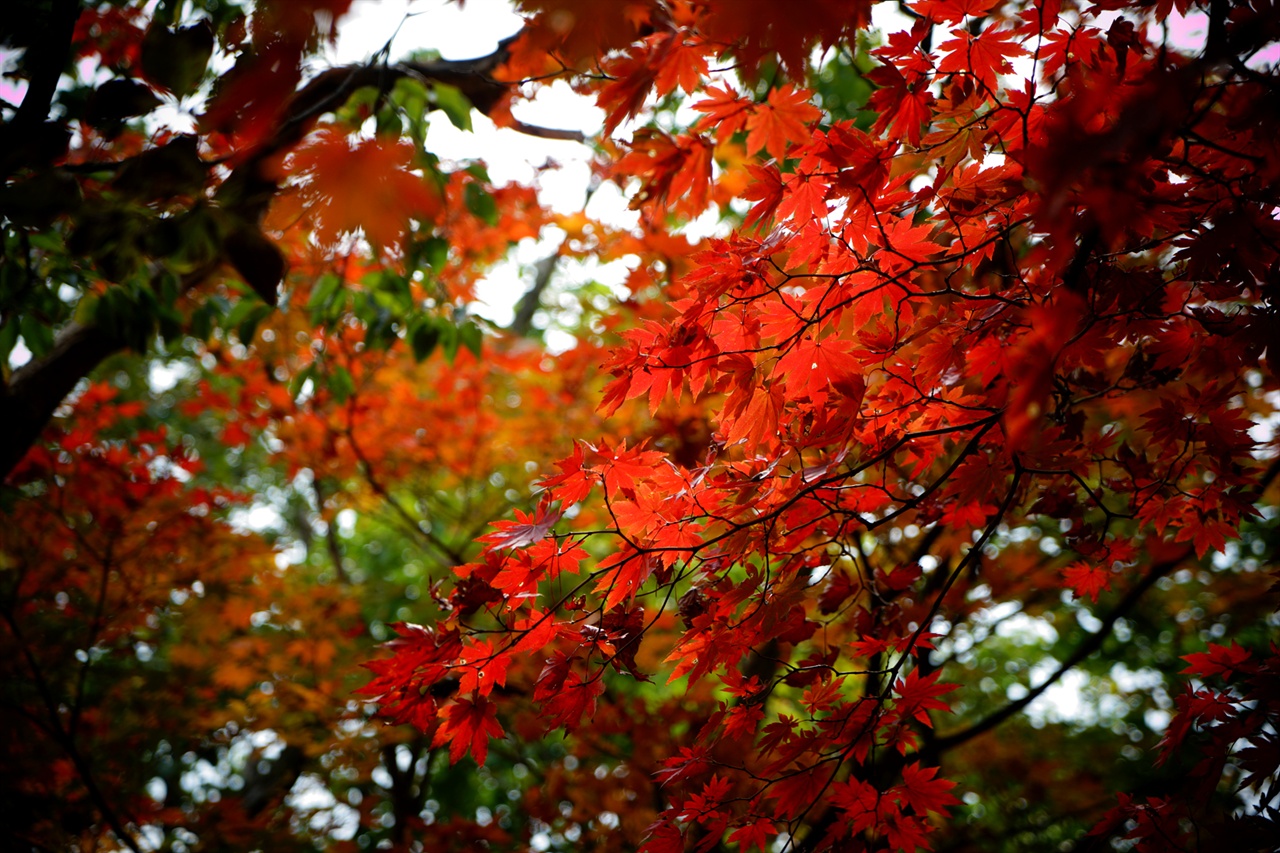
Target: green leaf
388 123
37 336
204 318
237 313
412 98
436 253
127 313
322 296
362 101
245 317
36 202
248 327
168 287
8 339
257 259
380 325
449 341
169 324
341 384
300 379
177 60
173 169
393 293
423 337
454 104
142 318
471 337
481 203
116 100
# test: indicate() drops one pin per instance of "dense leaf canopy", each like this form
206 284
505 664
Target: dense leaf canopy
928 504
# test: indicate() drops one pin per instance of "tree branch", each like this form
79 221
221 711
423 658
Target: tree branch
48 50
413 524
1090 644
532 299
66 739
38 387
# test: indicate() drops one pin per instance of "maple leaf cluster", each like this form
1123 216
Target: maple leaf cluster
985 305
974 388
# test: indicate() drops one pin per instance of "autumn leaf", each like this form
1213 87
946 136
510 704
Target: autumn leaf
925 793
537 629
1223 661
682 64
466 726
1031 361
483 668
985 56
575 480
803 198
725 110
917 696
568 699
364 184
527 529
904 106
955 10
634 77
758 31
575 31
1086 579
621 576
662 837
968 330
810 367
767 193
781 120
756 835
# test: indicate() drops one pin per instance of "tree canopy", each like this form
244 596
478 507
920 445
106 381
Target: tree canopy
928 504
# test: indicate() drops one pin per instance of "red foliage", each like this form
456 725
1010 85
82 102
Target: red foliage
997 329
989 306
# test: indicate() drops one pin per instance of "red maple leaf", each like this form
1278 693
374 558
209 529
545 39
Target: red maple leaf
466 726
575 480
923 792
725 110
783 118
662 837
1220 660
954 10
755 835
766 191
985 56
917 696
904 105
1087 579
528 528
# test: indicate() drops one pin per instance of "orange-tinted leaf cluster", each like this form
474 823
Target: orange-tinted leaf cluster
367 184
986 312
988 358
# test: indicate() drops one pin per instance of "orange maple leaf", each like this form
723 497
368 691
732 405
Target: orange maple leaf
682 65
362 184
577 31
725 109
784 117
